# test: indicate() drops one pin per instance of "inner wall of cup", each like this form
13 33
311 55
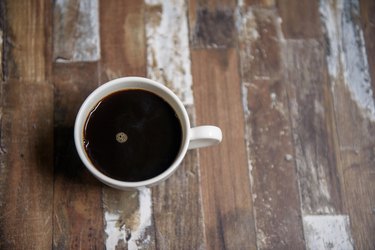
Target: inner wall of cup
104 91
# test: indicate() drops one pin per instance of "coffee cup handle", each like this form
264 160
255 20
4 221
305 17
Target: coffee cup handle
204 136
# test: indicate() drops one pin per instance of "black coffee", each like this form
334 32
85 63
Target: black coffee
132 135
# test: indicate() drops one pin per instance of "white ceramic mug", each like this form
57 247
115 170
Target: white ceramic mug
196 137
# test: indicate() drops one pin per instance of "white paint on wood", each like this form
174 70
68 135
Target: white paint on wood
76 31
327 232
168 53
135 236
346 51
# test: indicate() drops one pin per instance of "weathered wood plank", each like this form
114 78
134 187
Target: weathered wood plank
260 3
123 44
78 217
177 201
268 132
327 232
26 165
128 215
225 182
300 18
27 46
212 24
354 114
312 119
367 10
168 54
76 31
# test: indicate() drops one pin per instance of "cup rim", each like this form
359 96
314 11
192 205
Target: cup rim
81 119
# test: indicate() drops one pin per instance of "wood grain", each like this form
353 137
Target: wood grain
300 18
76 30
26 165
225 182
178 207
123 45
312 119
268 133
212 24
27 46
367 10
78 217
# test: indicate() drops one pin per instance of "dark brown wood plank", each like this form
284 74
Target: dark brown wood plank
123 45
212 24
225 182
367 10
78 216
26 116
26 165
268 132
28 47
128 215
300 18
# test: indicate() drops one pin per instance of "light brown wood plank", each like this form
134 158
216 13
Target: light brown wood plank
128 215
212 24
123 45
367 10
28 37
26 165
78 216
312 118
300 18
76 30
225 182
268 133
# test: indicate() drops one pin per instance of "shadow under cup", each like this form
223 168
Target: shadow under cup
164 110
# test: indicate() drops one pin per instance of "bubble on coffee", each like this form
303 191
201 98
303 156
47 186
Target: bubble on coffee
121 137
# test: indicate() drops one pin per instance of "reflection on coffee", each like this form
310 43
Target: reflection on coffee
132 135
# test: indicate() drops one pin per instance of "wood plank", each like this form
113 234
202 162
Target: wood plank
76 31
327 232
300 18
367 10
28 32
123 39
26 165
78 217
168 54
268 132
128 216
260 3
177 201
178 207
354 114
227 203
212 24
312 118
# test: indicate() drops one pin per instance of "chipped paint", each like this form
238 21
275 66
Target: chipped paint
168 53
347 52
327 232
133 235
76 31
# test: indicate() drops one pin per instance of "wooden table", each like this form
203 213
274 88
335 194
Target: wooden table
291 84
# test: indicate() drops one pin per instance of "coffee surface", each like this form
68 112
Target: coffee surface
132 135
